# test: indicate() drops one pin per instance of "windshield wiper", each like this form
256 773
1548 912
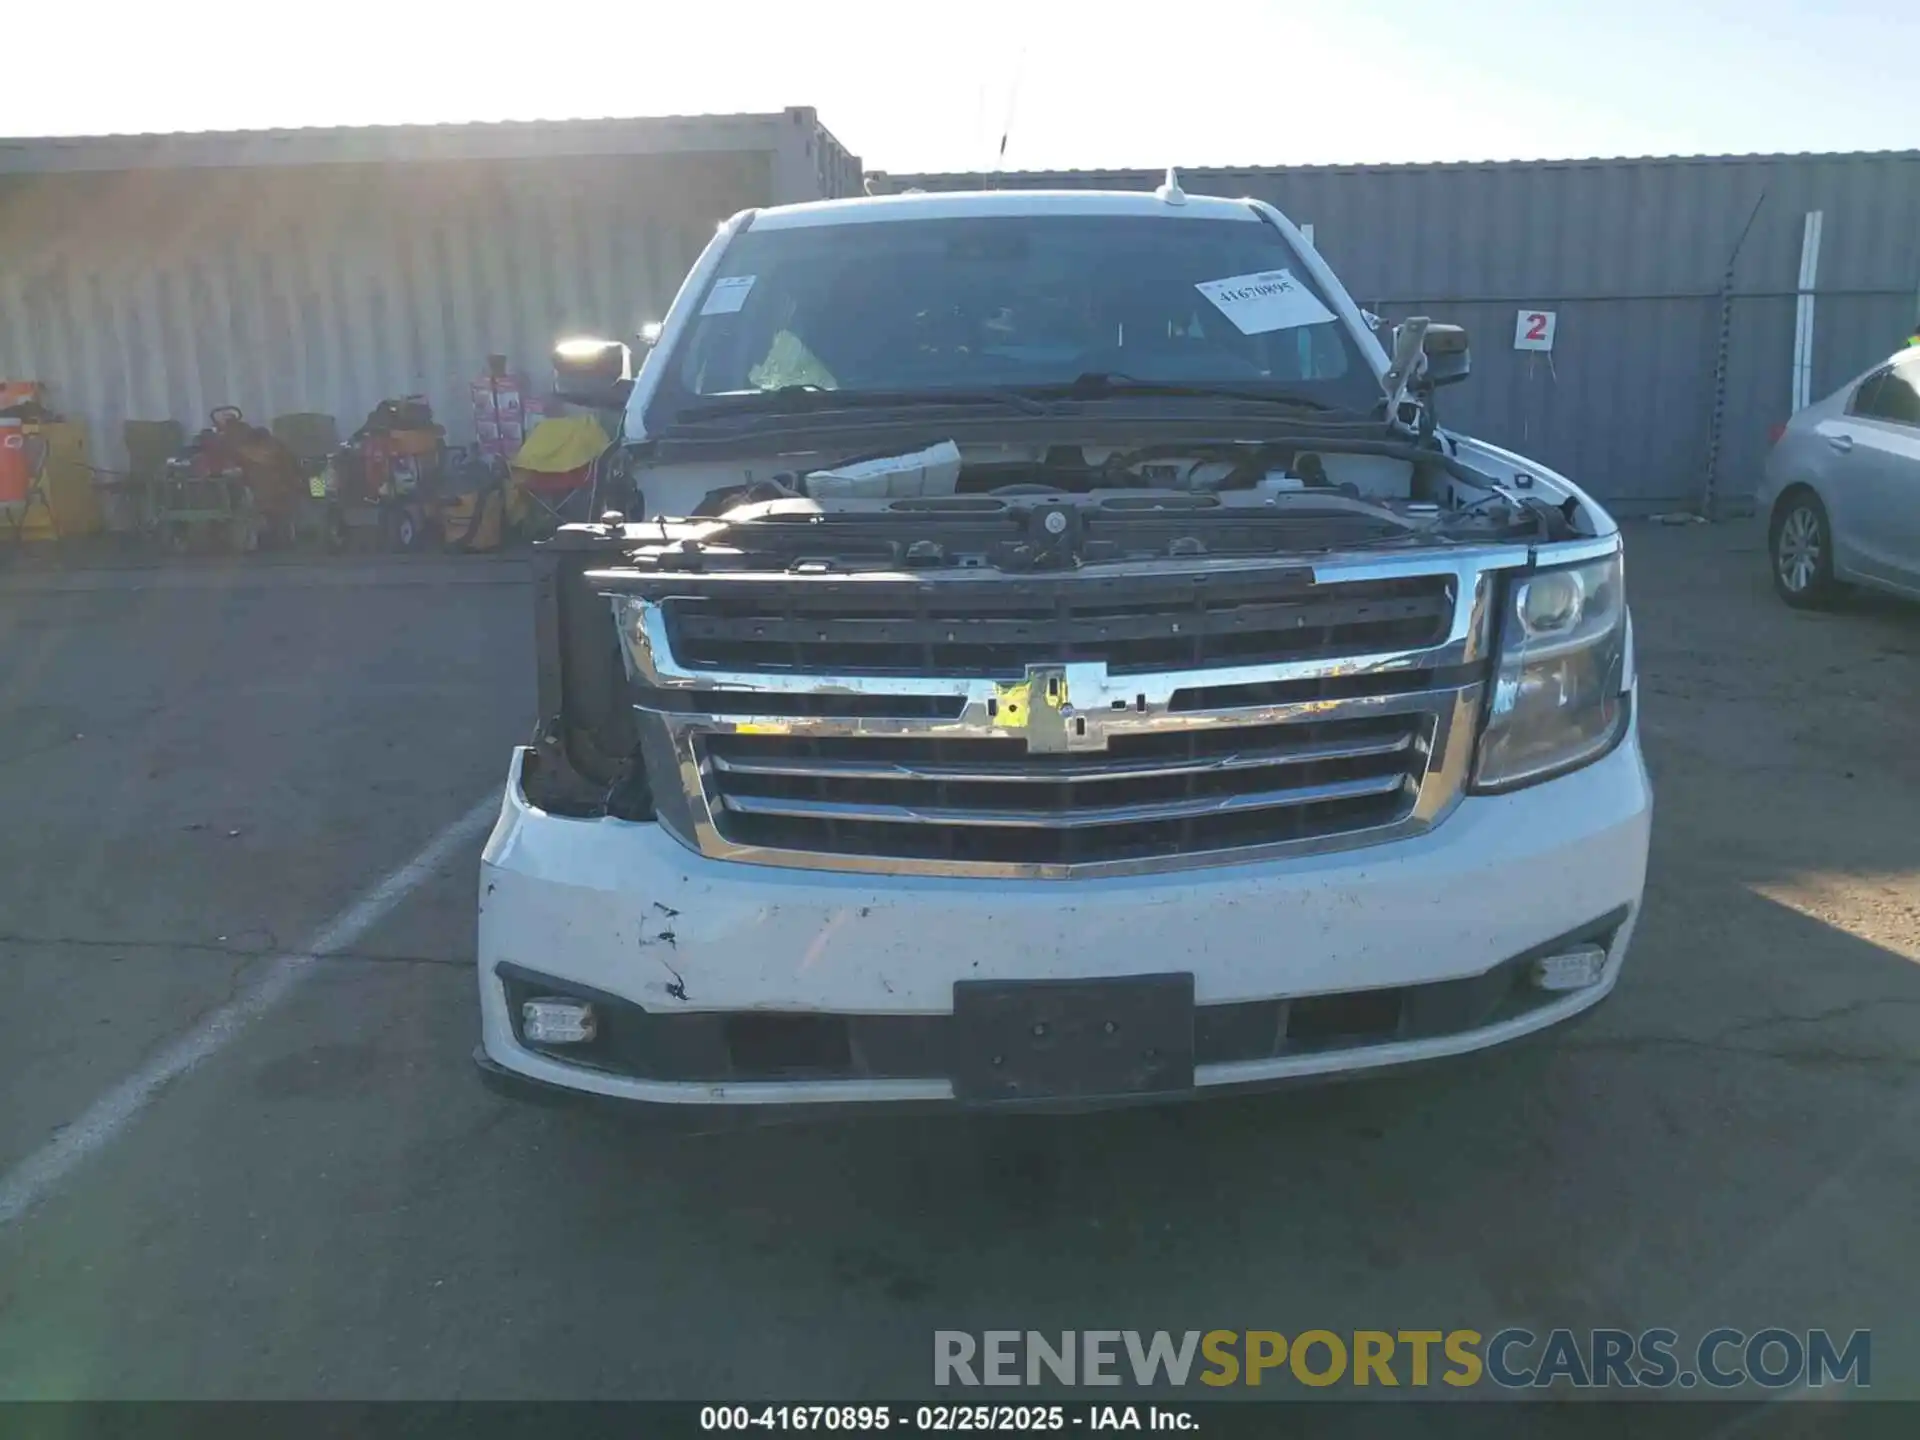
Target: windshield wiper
812 399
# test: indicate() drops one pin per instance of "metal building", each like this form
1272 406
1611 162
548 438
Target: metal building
157 276
1677 344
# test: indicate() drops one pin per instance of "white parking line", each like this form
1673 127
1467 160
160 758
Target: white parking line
29 1182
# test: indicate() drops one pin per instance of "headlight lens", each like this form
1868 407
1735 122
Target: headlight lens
1559 681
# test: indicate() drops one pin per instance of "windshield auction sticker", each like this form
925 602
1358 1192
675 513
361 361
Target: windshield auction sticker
728 295
1270 300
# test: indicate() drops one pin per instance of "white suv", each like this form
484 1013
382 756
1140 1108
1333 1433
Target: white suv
1043 651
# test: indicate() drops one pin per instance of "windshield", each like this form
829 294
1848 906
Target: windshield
1017 301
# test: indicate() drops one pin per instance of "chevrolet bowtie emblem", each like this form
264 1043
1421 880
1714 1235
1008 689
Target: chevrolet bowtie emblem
1060 708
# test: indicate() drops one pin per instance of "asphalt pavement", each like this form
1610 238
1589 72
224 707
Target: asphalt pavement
203 770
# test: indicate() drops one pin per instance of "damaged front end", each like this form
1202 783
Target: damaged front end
956 549
1042 677
581 762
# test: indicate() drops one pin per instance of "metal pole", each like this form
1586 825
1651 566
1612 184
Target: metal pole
1717 424
1803 313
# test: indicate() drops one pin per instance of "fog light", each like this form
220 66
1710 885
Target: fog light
1574 970
555 1021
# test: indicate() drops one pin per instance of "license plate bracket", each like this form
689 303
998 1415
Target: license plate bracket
1072 1039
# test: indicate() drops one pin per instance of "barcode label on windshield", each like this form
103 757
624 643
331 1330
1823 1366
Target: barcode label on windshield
727 295
1270 300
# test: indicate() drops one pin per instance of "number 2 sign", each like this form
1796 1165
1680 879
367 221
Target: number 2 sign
1533 330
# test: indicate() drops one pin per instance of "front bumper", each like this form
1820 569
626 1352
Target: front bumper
623 913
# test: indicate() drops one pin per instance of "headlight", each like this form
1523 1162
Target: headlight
1560 676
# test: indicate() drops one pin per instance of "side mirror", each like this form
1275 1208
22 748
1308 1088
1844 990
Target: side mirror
1448 359
596 373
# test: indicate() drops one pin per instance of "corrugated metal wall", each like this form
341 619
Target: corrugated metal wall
838 171
162 293
155 293
1631 255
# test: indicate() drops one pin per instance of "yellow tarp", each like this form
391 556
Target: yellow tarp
560 444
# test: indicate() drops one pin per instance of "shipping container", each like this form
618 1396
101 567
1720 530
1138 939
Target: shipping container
154 277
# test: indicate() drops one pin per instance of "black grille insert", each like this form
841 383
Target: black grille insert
1134 626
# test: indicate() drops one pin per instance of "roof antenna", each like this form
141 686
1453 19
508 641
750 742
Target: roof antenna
1170 192
1013 99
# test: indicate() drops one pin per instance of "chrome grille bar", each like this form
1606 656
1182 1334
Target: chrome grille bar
1022 772
1075 819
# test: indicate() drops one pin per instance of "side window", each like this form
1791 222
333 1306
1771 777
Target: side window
1866 395
1900 396
1891 394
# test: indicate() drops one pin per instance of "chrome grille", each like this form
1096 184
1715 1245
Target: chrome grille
1062 769
1151 795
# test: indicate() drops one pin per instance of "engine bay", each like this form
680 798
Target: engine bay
1032 507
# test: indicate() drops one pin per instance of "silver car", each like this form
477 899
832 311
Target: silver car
1842 489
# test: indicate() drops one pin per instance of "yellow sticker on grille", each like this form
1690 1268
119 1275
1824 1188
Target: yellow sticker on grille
1013 704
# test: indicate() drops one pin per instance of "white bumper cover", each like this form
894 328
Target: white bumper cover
624 908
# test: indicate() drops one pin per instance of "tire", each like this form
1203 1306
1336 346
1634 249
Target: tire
1800 552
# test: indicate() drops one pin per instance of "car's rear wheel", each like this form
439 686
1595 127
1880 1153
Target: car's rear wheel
1800 546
